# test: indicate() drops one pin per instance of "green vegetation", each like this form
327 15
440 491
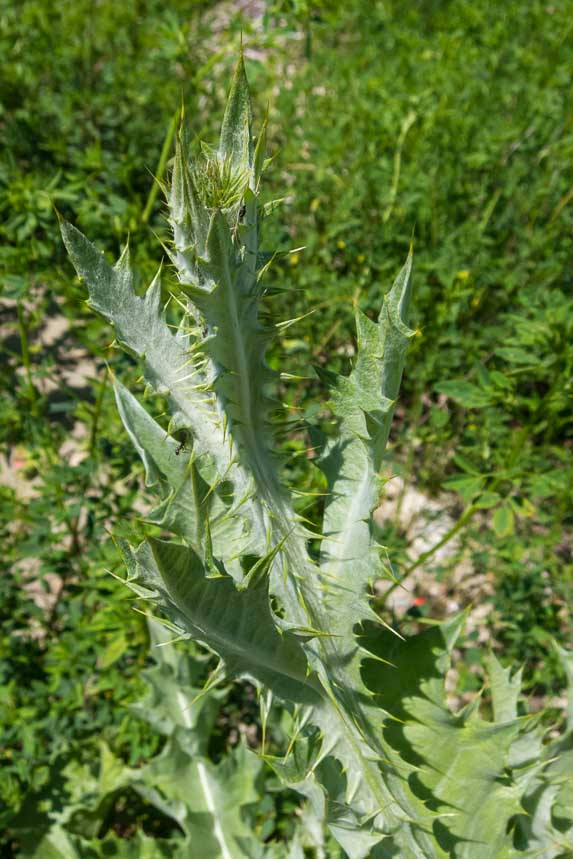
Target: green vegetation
445 120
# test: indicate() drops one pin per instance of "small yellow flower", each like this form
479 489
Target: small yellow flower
360 258
314 204
293 259
463 275
341 244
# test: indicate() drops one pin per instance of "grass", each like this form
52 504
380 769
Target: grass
448 121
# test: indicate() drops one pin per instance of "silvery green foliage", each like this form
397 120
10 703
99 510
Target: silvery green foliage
213 804
375 747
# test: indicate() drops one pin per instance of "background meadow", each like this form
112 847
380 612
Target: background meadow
447 122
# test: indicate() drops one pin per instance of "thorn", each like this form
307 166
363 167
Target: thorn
282 326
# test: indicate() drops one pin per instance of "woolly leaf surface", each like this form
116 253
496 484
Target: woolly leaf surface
236 624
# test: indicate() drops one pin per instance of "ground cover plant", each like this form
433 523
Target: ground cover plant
71 648
372 742
404 130
482 441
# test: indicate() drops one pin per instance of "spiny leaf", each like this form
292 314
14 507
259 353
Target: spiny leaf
384 761
236 624
207 800
236 137
189 508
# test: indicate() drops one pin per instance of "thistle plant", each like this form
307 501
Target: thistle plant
374 746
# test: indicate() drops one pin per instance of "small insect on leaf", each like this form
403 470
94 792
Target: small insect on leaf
181 445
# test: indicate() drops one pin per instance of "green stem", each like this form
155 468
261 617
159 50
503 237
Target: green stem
407 123
97 412
24 345
160 170
468 513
